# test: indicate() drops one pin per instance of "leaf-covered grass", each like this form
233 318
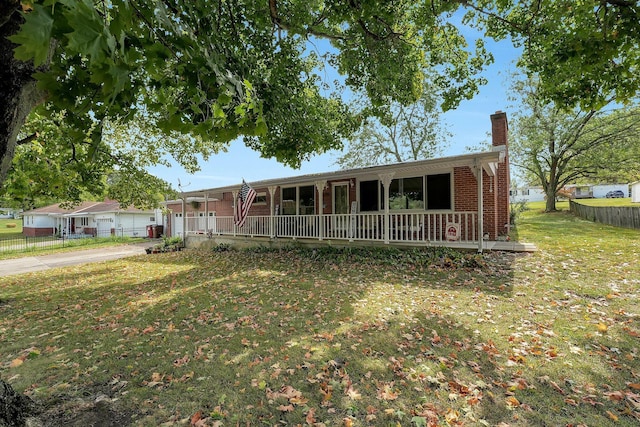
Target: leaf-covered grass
341 337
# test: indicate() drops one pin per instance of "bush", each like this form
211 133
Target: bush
516 209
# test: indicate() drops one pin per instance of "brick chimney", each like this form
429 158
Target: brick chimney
502 180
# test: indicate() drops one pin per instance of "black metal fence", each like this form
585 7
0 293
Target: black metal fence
26 243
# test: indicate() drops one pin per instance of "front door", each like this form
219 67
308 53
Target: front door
340 209
341 199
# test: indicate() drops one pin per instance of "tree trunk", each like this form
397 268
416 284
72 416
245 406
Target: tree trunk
18 90
551 199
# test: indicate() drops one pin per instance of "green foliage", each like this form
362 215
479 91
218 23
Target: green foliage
209 72
585 52
35 38
516 211
61 163
222 247
395 258
218 72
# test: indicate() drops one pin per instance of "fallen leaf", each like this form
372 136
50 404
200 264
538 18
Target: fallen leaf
16 362
311 418
513 402
196 417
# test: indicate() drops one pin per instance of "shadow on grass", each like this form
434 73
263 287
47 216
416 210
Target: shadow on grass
256 338
155 319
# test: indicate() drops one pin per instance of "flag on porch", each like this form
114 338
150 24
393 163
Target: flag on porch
245 199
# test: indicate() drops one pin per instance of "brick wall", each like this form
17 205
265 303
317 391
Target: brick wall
495 190
37 232
499 132
465 189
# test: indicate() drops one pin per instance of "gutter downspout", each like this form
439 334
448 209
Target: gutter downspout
478 170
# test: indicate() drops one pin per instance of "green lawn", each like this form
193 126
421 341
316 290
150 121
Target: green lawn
625 201
10 228
352 338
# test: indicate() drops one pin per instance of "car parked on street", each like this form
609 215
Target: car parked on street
615 194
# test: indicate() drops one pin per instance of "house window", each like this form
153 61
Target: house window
84 221
525 192
307 200
439 191
261 198
298 200
369 196
406 193
152 218
179 215
289 201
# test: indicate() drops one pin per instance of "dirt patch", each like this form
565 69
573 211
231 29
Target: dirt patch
95 411
97 407
15 408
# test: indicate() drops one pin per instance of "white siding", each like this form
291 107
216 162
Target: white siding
601 190
41 221
133 224
532 194
635 192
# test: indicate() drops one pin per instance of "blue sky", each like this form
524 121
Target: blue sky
469 125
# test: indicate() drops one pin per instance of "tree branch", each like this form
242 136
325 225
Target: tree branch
280 24
7 9
27 139
620 3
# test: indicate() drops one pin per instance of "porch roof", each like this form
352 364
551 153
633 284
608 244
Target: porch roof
488 160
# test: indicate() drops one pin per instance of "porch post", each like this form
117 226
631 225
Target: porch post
235 208
386 179
184 219
272 218
477 169
320 188
206 214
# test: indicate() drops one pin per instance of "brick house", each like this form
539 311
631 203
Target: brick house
428 202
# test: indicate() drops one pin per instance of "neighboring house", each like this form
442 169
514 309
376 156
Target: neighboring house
635 192
428 202
598 191
527 194
9 213
580 191
100 219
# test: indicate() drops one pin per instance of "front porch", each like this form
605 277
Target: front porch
457 229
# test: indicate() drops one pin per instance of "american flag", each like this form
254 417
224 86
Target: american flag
245 199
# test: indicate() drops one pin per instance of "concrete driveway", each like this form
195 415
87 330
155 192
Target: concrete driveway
44 262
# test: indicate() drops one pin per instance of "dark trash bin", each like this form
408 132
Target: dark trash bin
157 231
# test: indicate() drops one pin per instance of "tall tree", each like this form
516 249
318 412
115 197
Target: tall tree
223 69
54 164
397 133
555 147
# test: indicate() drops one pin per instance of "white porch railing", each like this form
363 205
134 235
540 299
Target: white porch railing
397 227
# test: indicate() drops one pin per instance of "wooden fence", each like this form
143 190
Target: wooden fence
627 216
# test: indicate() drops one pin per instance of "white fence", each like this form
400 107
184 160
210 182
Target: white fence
395 227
